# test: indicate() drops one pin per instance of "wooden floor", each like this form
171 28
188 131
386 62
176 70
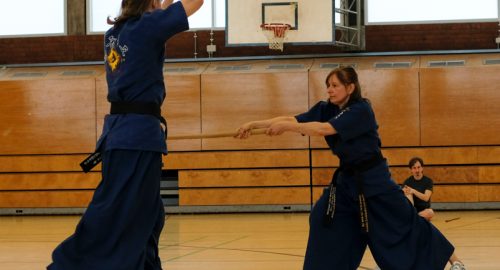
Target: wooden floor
238 241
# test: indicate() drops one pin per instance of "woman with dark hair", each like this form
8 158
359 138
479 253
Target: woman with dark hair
122 224
363 205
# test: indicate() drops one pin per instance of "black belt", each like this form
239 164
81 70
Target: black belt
147 108
350 170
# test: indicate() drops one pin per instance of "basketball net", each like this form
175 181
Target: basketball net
275 33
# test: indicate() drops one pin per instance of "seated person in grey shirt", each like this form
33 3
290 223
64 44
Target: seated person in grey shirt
418 189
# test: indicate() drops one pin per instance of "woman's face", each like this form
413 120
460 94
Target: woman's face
338 93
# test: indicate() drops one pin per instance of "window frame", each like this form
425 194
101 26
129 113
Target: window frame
65 32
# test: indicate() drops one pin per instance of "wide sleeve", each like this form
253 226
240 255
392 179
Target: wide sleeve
165 23
313 115
354 120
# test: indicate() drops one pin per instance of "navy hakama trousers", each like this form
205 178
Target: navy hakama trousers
123 222
398 237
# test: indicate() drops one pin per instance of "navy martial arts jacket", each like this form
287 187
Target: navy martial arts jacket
134 58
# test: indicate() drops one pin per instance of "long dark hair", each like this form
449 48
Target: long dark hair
347 76
131 9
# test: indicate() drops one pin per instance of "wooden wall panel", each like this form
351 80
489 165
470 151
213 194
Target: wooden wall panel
394 94
489 174
489 193
242 178
237 159
40 181
181 108
35 199
245 196
102 104
317 93
317 192
230 100
318 142
462 193
366 63
260 66
322 177
324 158
459 105
47 117
402 156
400 174
43 163
431 155
472 60
452 175
53 73
459 193
488 154
440 175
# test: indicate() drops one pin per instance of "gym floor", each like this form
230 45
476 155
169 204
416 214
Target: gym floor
272 241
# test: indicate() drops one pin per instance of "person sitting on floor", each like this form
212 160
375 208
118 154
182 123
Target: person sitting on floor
418 189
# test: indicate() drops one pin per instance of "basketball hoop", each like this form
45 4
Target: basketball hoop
275 33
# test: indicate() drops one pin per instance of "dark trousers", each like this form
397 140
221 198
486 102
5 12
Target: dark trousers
123 222
398 237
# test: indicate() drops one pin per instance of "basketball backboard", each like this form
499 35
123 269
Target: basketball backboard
312 21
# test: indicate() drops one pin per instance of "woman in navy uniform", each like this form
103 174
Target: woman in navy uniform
363 205
123 222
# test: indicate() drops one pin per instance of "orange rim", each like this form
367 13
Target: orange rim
275 26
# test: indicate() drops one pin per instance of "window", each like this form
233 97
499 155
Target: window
429 11
97 13
220 13
41 18
211 15
337 15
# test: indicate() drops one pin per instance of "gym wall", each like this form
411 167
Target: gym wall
446 115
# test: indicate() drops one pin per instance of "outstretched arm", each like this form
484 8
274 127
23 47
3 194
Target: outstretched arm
277 126
166 3
270 122
244 131
191 6
310 129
